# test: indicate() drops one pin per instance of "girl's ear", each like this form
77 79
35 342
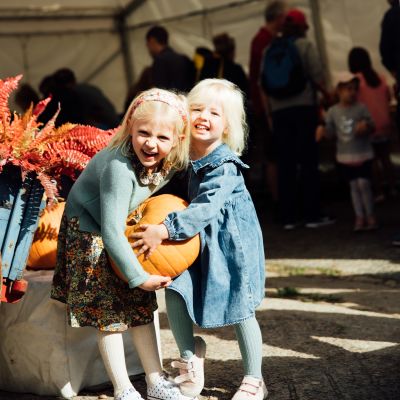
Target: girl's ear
181 137
225 133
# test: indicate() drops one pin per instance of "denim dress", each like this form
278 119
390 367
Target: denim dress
226 284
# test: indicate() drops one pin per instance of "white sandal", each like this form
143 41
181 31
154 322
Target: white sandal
251 389
191 372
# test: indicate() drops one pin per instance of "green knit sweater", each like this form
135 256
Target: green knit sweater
102 197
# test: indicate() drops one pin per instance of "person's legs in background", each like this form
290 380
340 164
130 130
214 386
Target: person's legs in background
359 178
286 147
383 170
269 152
396 237
365 187
307 120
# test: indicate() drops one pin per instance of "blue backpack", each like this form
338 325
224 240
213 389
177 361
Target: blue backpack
282 72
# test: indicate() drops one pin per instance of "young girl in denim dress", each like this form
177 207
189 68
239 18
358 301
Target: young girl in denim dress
141 158
227 283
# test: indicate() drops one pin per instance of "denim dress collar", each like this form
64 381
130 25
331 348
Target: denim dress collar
216 158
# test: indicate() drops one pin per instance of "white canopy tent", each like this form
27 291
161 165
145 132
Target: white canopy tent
103 41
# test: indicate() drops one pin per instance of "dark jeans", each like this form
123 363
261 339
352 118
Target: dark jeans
297 151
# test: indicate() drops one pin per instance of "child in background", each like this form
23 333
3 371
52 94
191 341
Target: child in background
352 125
227 284
375 94
141 158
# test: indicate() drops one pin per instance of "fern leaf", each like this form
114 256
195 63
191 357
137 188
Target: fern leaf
49 185
40 107
6 87
46 132
74 158
93 138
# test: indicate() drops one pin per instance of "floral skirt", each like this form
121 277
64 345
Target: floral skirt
85 282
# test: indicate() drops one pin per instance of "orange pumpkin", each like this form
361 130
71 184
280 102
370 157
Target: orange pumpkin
43 251
170 258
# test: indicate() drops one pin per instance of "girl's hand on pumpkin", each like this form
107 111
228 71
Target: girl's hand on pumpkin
156 282
149 238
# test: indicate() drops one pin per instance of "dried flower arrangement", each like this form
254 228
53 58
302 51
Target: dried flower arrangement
46 150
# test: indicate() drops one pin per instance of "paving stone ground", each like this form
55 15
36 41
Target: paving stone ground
330 321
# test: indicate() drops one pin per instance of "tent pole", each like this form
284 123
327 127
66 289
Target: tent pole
103 65
320 38
126 50
120 19
130 8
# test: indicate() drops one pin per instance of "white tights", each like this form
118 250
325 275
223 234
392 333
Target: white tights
111 348
361 196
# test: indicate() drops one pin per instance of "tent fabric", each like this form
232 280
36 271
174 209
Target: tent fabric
90 45
41 354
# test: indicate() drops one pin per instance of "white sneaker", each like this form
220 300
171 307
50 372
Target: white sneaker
164 389
251 389
129 394
191 372
319 223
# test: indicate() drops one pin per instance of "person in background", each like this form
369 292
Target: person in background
63 96
26 97
150 145
201 56
374 92
96 108
170 70
261 137
80 103
351 123
294 119
389 47
222 64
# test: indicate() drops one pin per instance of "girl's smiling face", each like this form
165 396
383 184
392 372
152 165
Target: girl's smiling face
208 123
152 141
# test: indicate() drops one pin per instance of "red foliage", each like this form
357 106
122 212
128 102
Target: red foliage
46 150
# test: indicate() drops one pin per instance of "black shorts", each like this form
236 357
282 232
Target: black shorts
350 172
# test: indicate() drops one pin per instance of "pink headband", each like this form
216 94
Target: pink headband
164 97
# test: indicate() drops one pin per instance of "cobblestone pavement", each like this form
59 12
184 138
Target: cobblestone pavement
330 321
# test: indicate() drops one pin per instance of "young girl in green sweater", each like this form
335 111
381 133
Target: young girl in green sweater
151 144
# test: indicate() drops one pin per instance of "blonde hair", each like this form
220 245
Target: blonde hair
231 99
163 104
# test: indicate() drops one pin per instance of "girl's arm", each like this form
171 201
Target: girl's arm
366 125
330 126
215 189
217 186
115 193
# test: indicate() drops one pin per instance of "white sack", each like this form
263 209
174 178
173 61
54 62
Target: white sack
41 354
